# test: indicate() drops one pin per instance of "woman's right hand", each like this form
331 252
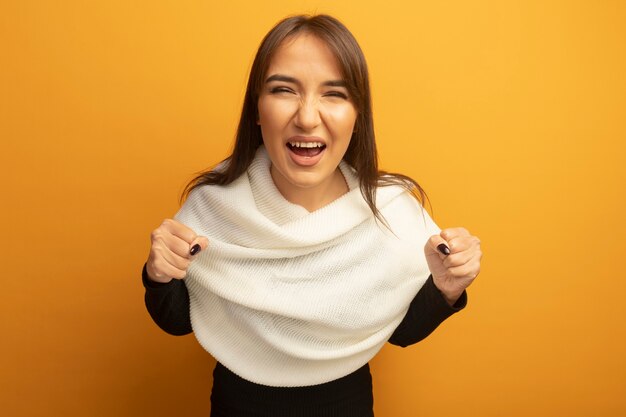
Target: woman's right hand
171 252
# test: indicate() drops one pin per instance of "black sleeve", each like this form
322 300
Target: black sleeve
427 311
168 304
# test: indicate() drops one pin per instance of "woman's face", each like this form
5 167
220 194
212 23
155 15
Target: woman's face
306 116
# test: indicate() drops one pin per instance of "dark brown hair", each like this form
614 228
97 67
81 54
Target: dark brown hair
361 153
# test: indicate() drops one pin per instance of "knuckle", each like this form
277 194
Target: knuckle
475 269
157 266
168 224
455 244
157 251
455 271
452 259
185 264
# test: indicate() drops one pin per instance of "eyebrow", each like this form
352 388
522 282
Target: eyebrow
288 79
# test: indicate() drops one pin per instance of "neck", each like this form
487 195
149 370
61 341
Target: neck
315 197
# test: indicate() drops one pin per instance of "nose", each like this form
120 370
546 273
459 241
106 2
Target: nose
308 115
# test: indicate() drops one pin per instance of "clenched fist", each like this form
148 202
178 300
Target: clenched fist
172 250
453 258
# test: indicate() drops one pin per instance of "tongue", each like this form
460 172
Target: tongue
306 151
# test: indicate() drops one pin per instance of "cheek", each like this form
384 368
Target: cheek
263 113
341 120
274 115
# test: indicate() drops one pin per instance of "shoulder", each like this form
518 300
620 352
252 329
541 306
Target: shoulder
407 216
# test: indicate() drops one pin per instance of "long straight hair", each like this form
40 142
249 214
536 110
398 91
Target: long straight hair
361 153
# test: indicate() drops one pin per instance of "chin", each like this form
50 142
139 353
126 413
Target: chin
305 180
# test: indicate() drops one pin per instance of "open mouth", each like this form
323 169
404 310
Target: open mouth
306 149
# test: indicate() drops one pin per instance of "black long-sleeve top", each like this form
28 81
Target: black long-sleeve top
350 396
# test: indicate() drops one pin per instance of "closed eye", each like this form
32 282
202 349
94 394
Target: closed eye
279 90
338 94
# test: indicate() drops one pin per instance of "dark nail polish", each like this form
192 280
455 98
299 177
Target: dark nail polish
194 249
443 249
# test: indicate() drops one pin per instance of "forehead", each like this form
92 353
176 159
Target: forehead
306 54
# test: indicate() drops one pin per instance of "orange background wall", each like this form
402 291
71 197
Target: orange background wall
510 113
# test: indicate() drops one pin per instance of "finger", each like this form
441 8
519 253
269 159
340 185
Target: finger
452 232
179 230
199 244
470 269
463 243
177 261
436 245
458 258
165 270
162 238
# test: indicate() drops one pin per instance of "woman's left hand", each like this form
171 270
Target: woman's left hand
454 272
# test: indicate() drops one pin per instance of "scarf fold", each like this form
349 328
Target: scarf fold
284 297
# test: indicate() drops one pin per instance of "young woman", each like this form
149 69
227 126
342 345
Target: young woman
295 260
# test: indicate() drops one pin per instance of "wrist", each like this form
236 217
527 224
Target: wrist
451 299
451 296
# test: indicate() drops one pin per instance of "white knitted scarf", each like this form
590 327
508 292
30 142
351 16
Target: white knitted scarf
287 297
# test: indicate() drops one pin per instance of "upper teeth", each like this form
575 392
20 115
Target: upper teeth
306 144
